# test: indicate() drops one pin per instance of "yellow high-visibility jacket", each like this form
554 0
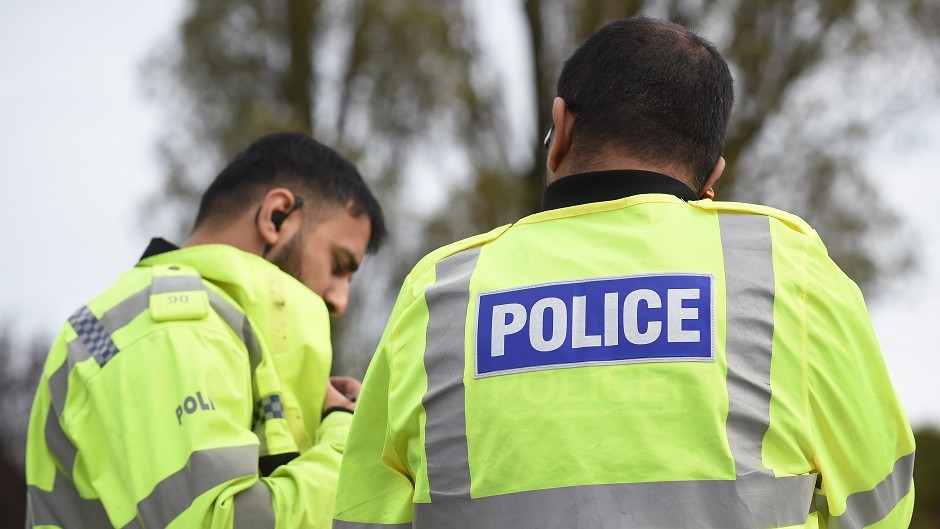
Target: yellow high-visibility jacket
161 397
643 362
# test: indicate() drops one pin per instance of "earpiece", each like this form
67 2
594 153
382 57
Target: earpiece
277 218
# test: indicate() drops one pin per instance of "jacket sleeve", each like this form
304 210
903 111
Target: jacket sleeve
303 490
300 493
160 437
376 486
864 444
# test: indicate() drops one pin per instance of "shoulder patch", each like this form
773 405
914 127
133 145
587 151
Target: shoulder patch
621 320
177 293
191 305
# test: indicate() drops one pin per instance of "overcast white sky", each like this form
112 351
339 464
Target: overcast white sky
77 159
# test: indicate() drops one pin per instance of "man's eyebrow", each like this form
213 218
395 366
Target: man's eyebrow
350 264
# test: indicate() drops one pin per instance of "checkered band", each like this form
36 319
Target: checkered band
93 335
269 407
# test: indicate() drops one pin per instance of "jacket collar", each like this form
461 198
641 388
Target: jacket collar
600 186
157 246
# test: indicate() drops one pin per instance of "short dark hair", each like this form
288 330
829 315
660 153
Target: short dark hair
652 88
295 161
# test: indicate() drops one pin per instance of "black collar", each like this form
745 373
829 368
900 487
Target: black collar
599 186
157 246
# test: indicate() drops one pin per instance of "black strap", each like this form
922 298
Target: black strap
335 408
267 464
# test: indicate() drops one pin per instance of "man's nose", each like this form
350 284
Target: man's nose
337 298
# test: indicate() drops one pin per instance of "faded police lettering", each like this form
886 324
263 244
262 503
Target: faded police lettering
651 318
193 403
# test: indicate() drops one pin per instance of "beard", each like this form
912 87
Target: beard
289 258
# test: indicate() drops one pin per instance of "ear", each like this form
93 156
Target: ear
558 158
707 190
276 204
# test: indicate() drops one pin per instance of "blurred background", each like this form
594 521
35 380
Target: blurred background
116 115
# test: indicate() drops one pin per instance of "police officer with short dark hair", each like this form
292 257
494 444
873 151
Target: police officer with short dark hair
636 355
196 390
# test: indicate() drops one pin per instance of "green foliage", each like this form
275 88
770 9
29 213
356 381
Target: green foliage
373 78
408 90
786 147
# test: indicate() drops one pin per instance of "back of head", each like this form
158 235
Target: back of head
297 162
651 90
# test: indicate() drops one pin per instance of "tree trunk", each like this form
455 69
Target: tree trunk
298 80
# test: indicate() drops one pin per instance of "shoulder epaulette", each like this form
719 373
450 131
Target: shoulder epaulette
177 293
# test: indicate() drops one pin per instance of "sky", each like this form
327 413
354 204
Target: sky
78 160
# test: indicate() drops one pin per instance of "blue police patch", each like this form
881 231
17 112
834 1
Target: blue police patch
653 318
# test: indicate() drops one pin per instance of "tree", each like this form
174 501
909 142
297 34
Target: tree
407 89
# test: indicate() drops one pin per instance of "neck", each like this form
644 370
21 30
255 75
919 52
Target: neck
239 234
616 162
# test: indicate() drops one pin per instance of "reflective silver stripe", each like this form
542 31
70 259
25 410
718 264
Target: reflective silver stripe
30 521
866 508
663 505
241 326
167 284
238 322
62 506
254 508
124 312
59 444
205 470
340 524
446 427
59 380
749 298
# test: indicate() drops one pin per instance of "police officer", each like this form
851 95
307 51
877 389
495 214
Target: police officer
636 355
195 391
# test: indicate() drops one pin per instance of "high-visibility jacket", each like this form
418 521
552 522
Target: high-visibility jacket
161 397
642 362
